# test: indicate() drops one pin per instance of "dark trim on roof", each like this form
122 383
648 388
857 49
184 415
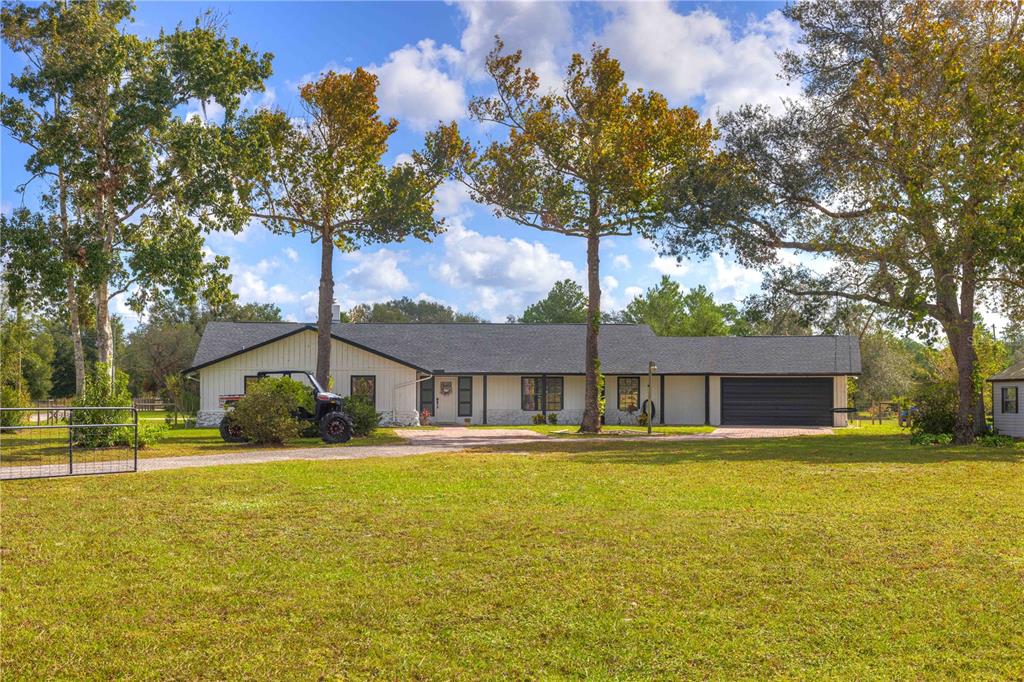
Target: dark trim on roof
285 335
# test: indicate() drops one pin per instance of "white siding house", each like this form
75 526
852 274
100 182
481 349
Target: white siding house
510 374
1007 393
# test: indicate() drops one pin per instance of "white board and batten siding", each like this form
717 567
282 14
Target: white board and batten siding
396 391
1008 423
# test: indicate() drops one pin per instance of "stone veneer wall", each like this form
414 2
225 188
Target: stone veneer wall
207 418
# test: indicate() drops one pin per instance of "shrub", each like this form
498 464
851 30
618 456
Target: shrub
642 419
424 417
995 440
100 391
539 418
936 408
266 414
553 418
365 419
12 397
925 438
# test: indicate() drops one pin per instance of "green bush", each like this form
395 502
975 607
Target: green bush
266 414
995 440
11 397
925 438
365 419
100 391
539 418
553 418
936 408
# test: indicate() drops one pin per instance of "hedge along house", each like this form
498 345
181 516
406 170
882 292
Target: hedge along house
509 373
1007 391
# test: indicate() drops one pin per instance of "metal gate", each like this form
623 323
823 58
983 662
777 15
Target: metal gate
68 441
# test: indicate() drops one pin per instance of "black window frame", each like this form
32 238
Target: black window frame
428 404
541 398
1005 401
618 393
352 383
245 382
460 403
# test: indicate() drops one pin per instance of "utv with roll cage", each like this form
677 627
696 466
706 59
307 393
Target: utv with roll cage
328 417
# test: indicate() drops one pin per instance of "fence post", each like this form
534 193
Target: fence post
135 415
71 442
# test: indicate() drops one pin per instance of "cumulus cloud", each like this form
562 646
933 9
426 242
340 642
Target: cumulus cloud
503 272
632 292
731 281
622 261
416 86
668 265
697 56
251 284
375 273
291 254
311 76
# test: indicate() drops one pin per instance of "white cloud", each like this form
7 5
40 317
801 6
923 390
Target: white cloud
632 292
732 281
452 200
209 111
542 29
502 272
609 283
250 282
291 254
696 55
668 265
622 261
415 85
311 76
375 273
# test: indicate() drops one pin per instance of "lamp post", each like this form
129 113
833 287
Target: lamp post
651 367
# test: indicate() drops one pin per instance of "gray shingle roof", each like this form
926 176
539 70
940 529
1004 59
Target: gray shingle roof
554 348
1011 373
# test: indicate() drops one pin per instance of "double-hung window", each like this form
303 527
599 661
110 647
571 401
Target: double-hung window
465 396
629 394
542 394
365 386
1011 405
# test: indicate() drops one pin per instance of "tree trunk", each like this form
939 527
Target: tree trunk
323 319
76 334
104 331
591 422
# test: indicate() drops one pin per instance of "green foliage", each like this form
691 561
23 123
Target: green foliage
365 419
995 440
26 354
100 391
888 369
670 312
566 302
553 418
926 438
266 413
936 408
10 396
407 310
539 418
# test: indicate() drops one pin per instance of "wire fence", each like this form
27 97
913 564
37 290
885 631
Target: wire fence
68 441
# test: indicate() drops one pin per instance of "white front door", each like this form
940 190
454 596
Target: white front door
446 399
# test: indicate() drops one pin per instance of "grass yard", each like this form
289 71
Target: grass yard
851 556
47 447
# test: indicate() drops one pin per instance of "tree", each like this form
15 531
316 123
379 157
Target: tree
670 312
566 302
323 176
26 354
407 310
887 369
588 160
137 174
901 162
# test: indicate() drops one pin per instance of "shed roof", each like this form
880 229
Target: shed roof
552 348
1011 373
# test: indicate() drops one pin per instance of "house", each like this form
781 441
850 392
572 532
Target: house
1007 390
508 373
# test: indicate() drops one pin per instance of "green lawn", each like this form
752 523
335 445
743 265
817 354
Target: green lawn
854 556
50 446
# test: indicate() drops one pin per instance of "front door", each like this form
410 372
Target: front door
446 397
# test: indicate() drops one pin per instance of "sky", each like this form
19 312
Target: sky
429 58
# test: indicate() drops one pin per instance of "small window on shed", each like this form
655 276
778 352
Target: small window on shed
365 386
249 381
1010 402
629 394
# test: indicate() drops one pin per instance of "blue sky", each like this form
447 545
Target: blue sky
429 59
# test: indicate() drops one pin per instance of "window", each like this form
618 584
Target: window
629 394
465 396
1009 399
553 393
427 396
531 394
249 381
542 394
365 386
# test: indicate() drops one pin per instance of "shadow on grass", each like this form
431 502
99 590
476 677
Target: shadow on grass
838 449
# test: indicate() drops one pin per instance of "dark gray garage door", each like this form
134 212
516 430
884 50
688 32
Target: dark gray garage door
777 402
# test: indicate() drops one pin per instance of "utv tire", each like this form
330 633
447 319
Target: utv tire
230 431
335 428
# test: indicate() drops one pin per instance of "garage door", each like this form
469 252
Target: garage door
777 402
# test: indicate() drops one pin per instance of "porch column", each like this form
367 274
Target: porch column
485 399
661 399
707 400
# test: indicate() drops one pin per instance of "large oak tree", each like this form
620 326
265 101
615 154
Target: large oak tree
902 161
589 159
